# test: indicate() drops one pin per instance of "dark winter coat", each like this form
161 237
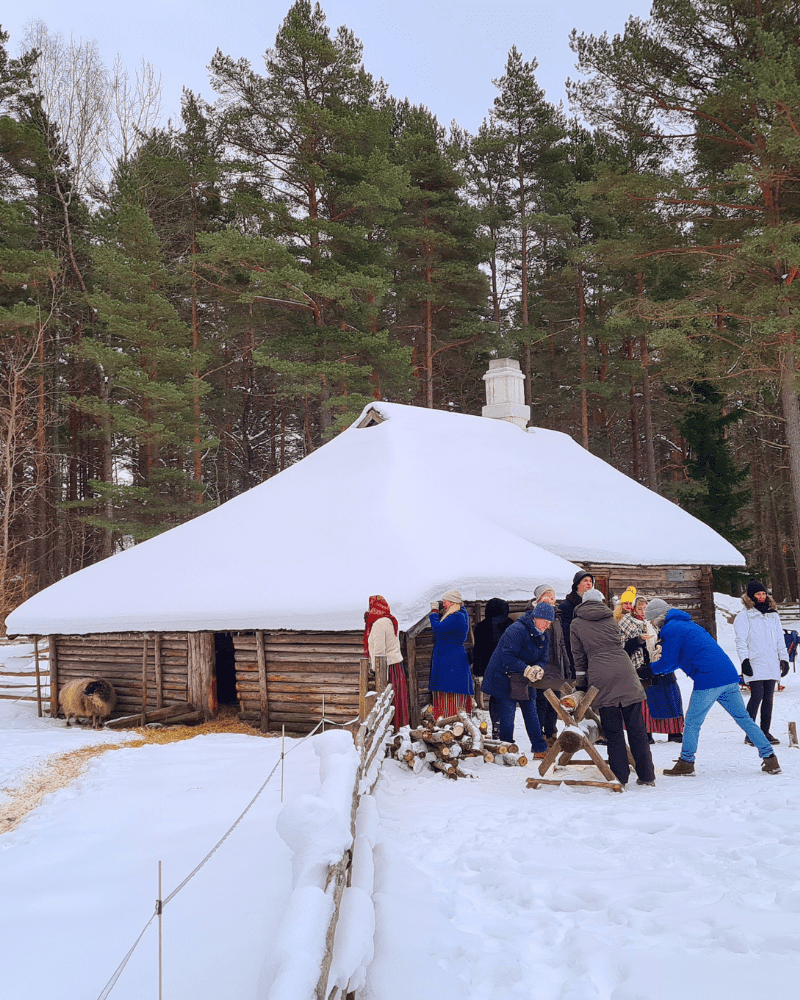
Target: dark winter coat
558 666
597 649
688 647
521 645
449 664
564 614
487 634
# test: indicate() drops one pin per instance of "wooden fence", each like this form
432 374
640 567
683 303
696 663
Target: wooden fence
31 683
376 710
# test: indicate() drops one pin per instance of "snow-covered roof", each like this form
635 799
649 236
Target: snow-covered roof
420 502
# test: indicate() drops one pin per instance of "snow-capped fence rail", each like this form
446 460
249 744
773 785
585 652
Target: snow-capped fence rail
330 920
25 672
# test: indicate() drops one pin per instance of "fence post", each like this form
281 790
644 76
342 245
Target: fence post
144 678
381 674
38 675
363 684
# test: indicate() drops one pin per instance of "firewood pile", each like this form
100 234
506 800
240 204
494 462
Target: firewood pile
442 744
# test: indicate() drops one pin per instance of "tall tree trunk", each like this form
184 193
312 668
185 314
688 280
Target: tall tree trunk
636 437
196 452
582 348
791 415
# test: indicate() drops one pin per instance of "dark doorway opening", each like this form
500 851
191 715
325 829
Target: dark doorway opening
226 668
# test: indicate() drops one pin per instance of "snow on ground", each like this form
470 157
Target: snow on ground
482 887
486 889
81 870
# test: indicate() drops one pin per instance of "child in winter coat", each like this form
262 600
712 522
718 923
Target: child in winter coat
687 646
762 652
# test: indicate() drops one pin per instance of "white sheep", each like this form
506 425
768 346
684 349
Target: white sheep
88 698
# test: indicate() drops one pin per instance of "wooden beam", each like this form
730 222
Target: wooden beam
38 676
413 683
262 680
144 678
52 644
159 678
381 674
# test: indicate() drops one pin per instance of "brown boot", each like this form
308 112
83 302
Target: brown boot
770 765
681 767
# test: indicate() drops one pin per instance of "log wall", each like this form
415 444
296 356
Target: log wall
117 656
690 588
301 668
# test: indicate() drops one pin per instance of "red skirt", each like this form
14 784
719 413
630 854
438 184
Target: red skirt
397 678
669 726
446 703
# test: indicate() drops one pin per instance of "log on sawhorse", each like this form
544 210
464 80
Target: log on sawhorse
566 758
579 733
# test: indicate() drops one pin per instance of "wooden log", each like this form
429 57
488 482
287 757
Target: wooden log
159 677
144 677
793 735
601 764
449 770
614 785
159 715
263 692
443 736
572 737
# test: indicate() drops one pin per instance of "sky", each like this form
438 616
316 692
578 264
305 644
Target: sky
440 53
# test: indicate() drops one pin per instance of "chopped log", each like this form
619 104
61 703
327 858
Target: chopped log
515 759
449 770
472 728
455 750
793 735
432 737
572 737
488 757
497 746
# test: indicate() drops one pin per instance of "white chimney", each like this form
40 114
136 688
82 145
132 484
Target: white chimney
505 393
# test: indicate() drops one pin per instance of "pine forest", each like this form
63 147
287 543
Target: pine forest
188 309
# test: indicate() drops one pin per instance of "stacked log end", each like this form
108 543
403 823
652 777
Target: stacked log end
442 744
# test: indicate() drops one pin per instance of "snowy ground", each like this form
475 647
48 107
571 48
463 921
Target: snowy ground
483 888
490 891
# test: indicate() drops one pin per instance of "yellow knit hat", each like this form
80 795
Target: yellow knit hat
629 596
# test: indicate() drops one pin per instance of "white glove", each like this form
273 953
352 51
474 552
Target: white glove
533 674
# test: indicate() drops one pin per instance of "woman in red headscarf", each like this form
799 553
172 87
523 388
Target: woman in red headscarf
381 639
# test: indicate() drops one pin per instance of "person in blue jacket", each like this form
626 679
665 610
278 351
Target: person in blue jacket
688 646
520 659
450 682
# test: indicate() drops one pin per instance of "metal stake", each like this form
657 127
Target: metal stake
283 744
159 911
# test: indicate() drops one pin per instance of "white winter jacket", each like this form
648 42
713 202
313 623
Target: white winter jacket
759 638
383 642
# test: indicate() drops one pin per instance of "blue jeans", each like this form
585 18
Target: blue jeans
731 700
508 709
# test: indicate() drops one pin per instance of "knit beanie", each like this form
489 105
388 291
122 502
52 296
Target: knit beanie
593 595
656 608
580 576
544 611
754 587
454 596
543 588
628 596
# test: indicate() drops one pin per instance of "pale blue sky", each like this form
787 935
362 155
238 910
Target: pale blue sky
441 53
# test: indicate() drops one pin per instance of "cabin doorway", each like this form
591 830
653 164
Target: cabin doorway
225 669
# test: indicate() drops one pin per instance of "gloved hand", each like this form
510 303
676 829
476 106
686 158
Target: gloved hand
634 643
533 674
747 670
784 668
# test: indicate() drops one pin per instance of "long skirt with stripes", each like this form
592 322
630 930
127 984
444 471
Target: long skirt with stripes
670 726
447 703
397 677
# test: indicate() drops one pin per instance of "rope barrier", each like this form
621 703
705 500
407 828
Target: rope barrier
160 904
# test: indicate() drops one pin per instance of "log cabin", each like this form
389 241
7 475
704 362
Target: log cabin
259 603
